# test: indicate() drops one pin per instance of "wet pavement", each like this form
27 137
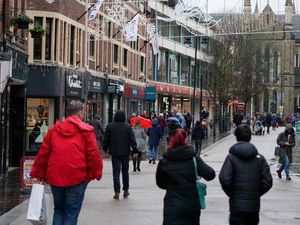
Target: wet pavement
11 195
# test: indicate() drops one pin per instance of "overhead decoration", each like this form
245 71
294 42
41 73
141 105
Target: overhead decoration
116 13
151 29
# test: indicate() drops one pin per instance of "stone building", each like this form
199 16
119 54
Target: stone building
277 39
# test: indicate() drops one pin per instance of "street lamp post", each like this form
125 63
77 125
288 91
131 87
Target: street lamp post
194 77
282 78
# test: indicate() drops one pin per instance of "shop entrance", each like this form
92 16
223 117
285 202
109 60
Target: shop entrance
17 125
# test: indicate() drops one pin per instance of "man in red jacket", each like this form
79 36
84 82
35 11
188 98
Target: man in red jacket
67 160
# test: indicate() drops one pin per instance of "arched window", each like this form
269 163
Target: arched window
267 65
275 67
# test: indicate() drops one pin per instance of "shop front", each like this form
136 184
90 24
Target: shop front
114 92
49 89
134 99
95 96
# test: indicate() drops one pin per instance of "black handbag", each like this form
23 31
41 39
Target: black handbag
277 151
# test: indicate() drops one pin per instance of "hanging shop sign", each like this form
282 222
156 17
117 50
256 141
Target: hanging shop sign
150 93
96 84
74 85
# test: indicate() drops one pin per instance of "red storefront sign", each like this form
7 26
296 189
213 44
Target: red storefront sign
141 92
127 91
179 90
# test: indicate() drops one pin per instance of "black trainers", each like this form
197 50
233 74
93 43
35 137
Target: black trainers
153 162
288 178
279 174
150 161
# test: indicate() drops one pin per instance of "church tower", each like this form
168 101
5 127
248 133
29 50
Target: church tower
247 7
289 11
256 11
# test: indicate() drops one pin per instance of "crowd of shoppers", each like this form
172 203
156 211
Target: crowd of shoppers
69 158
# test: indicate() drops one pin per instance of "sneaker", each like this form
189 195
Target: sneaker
150 161
153 162
126 194
288 178
117 195
279 174
138 169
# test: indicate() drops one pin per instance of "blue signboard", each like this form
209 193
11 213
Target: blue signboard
151 93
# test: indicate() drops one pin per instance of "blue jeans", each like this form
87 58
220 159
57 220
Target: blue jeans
153 152
285 166
119 163
67 203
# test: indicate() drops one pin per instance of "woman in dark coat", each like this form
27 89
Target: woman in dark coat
286 141
176 174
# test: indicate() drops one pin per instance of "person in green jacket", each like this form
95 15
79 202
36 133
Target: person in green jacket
286 141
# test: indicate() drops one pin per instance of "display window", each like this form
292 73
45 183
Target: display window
40 116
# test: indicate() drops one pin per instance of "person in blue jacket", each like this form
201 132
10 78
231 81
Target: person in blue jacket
154 134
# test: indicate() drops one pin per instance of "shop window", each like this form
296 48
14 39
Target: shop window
40 117
125 53
48 38
37 42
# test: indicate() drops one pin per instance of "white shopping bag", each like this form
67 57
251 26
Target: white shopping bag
37 209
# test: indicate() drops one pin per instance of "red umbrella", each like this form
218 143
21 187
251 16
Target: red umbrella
145 123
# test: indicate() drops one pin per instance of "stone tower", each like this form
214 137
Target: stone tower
289 11
247 7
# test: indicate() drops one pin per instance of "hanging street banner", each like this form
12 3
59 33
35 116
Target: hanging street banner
131 29
155 44
95 9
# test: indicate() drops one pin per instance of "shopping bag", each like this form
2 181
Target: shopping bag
201 187
277 151
37 208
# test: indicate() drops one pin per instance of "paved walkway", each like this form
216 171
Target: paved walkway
145 205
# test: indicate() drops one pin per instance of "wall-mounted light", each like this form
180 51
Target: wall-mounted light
113 71
129 76
77 62
97 67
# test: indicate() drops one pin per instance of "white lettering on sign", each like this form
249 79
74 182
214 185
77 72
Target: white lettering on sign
97 84
74 81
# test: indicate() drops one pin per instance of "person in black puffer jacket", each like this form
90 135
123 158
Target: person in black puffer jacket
245 176
176 174
118 138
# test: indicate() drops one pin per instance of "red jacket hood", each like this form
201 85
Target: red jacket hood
71 126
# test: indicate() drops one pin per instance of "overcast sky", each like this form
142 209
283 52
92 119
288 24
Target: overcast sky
237 5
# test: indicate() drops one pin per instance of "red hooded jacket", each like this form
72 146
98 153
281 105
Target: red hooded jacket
69 155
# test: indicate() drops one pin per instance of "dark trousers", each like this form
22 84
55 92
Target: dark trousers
198 146
118 163
137 161
67 203
243 218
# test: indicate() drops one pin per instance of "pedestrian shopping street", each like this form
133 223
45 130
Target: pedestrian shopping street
145 203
